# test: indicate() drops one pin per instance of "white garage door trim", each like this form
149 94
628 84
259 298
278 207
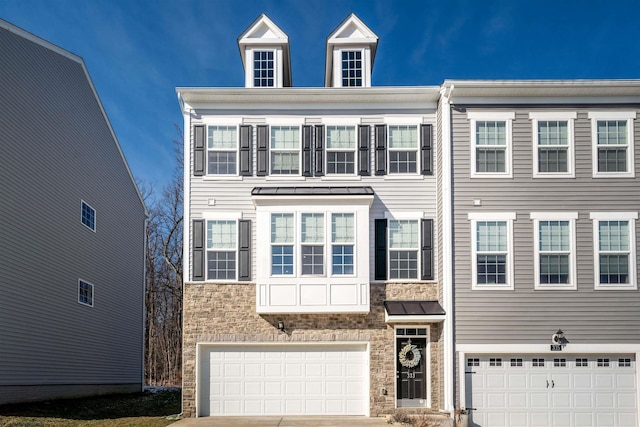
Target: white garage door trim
355 354
571 350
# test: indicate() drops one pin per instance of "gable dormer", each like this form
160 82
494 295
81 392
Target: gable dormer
264 49
351 49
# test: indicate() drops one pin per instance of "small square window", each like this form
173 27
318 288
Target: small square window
473 362
85 293
538 363
516 362
603 363
88 216
582 363
624 363
559 363
495 362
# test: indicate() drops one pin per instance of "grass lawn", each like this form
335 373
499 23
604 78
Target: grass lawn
123 410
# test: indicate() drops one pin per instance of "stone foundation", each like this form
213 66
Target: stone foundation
227 313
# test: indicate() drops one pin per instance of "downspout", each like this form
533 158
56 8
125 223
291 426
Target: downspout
447 250
186 214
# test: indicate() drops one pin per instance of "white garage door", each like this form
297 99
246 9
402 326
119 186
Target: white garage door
283 380
558 391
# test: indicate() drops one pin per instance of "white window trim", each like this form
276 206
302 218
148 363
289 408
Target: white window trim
337 65
570 118
334 150
405 216
596 116
474 218
632 217
555 216
507 117
427 355
277 66
398 122
237 150
95 216
219 216
292 123
93 293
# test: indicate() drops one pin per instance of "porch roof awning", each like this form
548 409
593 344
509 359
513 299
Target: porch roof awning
413 311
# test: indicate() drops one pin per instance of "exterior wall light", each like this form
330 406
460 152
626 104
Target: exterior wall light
280 325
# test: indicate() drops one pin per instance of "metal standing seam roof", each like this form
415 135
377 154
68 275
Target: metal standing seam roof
413 308
313 191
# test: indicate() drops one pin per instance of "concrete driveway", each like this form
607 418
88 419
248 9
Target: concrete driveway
281 422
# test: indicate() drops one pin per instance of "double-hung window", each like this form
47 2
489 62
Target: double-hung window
85 293
88 216
403 149
492 250
285 150
554 250
491 143
264 68
553 144
222 150
612 136
352 69
312 243
341 149
614 249
282 244
222 249
343 242
404 245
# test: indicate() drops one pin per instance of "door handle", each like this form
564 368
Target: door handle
553 384
547 383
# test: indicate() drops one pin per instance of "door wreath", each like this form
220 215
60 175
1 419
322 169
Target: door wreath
409 356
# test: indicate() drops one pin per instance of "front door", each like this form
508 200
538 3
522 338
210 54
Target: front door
411 372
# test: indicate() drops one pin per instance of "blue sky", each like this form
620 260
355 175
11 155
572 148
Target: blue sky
138 52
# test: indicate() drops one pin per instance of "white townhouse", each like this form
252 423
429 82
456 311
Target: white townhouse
313 274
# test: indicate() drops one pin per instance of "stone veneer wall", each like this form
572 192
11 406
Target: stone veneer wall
227 313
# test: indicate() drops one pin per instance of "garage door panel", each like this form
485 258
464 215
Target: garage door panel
571 391
283 380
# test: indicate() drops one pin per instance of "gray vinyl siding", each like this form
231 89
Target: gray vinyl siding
525 315
56 149
414 194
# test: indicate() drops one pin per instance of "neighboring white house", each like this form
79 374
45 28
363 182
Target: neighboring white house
72 230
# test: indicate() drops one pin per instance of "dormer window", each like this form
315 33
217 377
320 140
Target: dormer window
263 68
264 49
352 70
351 49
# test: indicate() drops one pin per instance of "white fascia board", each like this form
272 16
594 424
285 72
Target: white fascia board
419 97
545 348
418 319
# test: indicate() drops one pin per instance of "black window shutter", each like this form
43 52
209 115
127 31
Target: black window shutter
306 150
262 159
246 134
198 150
426 148
319 147
364 161
381 249
244 250
198 258
427 249
381 149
